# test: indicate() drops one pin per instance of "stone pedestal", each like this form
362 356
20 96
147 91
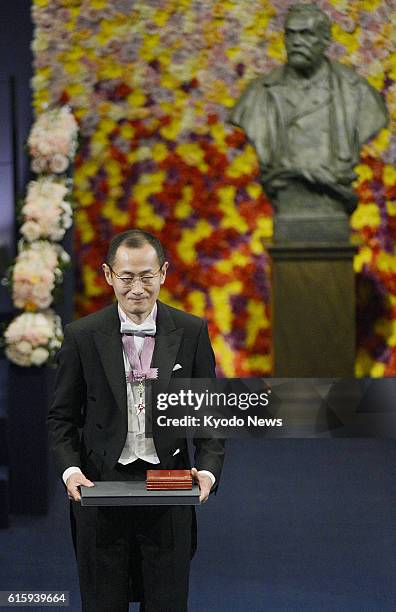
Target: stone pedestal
313 309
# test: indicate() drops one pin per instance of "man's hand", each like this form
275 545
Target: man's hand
72 484
204 483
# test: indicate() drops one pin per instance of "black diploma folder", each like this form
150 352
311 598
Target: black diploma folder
134 493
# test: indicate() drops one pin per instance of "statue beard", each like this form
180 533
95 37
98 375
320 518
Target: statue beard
299 60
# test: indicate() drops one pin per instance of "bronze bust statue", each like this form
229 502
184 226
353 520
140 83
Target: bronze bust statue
307 121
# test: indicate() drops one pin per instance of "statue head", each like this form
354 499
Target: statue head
307 36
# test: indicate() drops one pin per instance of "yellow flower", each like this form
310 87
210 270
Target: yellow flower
364 172
377 80
224 355
262 363
235 259
41 100
189 238
231 217
89 168
136 98
264 231
381 141
127 131
389 176
370 5
160 18
116 216
172 130
197 300
76 89
364 256
110 70
257 321
98 4
183 207
276 47
193 155
363 363
242 164
219 134
220 297
348 39
91 288
254 190
84 225
386 262
391 208
147 185
159 152
85 198
366 215
378 370
392 333
234 53
391 62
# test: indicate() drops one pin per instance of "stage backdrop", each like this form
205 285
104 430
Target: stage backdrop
151 84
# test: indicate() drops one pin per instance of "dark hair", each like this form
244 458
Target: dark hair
134 239
322 21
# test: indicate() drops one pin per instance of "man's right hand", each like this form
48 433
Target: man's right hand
72 484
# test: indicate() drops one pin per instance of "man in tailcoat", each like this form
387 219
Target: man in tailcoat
97 432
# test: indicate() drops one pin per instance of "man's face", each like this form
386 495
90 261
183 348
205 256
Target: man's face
305 43
137 299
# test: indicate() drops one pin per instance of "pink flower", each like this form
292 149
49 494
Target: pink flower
58 163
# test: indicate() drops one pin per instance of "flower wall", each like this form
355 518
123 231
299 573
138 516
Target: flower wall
151 84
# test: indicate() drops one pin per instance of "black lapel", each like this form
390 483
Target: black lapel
109 344
167 342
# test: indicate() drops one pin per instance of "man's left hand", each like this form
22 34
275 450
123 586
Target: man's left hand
204 483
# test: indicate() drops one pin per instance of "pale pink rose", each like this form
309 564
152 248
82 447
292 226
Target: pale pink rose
59 163
41 291
47 277
57 234
67 221
62 145
38 165
24 347
39 356
44 303
31 230
21 290
45 147
16 357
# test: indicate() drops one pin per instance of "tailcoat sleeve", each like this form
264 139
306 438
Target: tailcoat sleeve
66 413
209 452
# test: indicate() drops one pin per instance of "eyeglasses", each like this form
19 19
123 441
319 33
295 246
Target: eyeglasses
145 279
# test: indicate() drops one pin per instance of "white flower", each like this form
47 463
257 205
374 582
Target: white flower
39 356
65 257
31 230
31 338
58 163
24 347
38 165
20 359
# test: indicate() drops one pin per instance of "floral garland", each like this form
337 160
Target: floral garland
34 336
151 85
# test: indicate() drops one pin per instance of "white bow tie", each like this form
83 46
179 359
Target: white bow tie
144 329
